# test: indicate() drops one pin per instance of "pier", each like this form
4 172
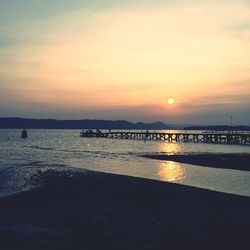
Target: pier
216 137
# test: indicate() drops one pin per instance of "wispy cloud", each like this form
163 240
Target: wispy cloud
125 58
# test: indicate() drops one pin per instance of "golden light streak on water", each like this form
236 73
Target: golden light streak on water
171 171
170 148
168 170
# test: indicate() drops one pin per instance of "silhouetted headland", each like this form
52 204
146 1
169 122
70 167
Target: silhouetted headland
17 123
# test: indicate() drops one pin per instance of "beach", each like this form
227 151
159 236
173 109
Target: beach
77 209
227 161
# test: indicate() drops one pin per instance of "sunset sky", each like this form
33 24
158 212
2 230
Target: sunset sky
111 59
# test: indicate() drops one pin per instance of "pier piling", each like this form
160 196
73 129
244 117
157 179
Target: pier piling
241 138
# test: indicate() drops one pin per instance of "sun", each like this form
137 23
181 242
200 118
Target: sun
171 101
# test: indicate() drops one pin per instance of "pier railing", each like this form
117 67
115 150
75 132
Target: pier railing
220 137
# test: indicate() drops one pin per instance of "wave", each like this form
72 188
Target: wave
39 147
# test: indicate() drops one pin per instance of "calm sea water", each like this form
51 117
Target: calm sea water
60 149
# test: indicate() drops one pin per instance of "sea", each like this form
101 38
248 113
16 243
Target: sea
64 149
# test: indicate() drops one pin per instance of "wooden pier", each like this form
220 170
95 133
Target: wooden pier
241 138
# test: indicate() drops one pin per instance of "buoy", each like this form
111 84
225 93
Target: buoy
24 134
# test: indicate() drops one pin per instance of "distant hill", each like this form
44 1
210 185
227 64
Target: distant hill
219 128
20 123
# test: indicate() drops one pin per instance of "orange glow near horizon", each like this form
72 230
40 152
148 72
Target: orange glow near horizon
126 59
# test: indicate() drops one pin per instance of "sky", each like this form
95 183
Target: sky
115 59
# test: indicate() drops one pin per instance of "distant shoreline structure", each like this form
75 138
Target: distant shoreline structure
219 128
18 123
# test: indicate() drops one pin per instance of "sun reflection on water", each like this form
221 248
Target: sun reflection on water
168 170
171 171
170 148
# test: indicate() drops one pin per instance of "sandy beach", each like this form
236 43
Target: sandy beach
90 210
229 161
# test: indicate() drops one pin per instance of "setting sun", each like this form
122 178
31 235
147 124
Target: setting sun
171 101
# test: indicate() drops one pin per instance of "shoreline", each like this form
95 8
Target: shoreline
236 161
91 210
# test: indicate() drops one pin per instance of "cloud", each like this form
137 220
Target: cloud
124 59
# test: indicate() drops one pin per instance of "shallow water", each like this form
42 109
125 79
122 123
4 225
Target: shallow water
60 149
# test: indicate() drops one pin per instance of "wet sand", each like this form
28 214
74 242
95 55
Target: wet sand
229 161
90 210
